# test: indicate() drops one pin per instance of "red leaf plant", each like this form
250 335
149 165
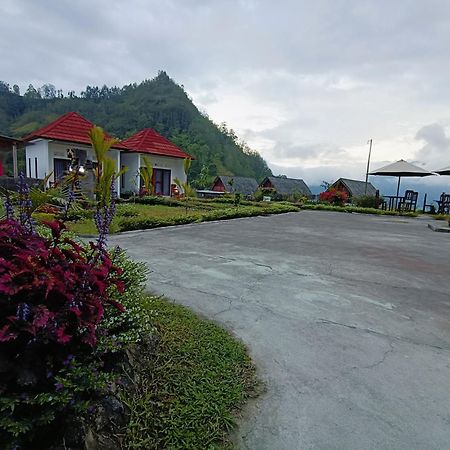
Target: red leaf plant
53 293
334 197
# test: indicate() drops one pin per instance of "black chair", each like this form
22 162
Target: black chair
444 204
431 208
409 202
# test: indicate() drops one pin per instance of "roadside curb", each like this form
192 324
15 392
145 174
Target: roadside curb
439 229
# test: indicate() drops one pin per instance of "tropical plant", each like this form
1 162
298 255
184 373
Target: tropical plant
53 294
204 179
105 181
59 314
188 191
146 173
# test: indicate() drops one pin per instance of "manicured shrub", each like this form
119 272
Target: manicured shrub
142 223
334 197
126 210
367 201
355 209
155 200
74 214
53 295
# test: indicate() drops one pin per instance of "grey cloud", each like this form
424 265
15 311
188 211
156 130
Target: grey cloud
436 148
331 73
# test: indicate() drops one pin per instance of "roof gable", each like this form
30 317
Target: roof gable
243 185
149 141
70 127
286 186
357 188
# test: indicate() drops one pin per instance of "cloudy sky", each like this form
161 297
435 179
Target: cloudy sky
305 82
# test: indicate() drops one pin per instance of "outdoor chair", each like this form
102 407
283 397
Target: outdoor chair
428 206
444 204
408 202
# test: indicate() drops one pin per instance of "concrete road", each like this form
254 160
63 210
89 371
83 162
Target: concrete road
347 317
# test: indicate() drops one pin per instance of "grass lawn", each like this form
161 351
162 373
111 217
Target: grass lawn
136 216
87 226
189 389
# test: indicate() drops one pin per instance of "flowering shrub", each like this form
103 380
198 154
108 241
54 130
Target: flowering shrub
334 197
53 295
59 312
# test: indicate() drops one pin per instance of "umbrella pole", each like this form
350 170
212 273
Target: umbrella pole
398 185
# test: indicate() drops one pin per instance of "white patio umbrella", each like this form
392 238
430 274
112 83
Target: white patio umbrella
444 171
401 169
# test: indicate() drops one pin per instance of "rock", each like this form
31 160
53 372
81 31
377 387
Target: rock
109 417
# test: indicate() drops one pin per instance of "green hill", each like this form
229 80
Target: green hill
158 103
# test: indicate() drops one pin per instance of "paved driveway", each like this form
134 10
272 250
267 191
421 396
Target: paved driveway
347 317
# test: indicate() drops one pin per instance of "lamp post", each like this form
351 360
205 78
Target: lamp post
368 164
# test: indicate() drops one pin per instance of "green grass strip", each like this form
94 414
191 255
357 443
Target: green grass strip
186 392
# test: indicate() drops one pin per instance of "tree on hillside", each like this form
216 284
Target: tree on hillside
32 93
47 91
4 87
157 103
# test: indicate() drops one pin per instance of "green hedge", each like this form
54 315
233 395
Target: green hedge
142 223
155 200
356 209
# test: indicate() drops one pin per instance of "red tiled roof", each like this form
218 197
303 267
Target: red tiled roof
149 141
71 127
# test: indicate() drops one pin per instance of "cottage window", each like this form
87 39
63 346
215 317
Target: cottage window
60 167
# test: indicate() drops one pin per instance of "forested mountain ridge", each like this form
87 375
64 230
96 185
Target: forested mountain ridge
157 103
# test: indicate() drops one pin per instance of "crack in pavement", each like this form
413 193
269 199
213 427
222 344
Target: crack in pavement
383 358
384 335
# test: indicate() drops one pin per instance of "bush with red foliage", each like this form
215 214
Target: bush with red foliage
53 295
334 197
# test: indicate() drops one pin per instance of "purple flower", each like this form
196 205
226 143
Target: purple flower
68 360
23 311
59 386
25 205
70 200
8 206
104 216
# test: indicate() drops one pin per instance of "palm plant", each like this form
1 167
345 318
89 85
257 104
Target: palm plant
185 187
146 173
105 172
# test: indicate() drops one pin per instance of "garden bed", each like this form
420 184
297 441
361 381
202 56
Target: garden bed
154 212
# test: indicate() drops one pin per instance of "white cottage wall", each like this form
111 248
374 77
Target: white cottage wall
130 180
175 165
37 159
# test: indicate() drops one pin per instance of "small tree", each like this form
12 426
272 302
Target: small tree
237 195
203 179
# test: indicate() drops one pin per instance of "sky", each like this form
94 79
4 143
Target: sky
305 82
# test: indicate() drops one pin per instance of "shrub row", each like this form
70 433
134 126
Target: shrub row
155 200
356 209
142 223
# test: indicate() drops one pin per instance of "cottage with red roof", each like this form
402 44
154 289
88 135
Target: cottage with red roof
64 143
166 158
